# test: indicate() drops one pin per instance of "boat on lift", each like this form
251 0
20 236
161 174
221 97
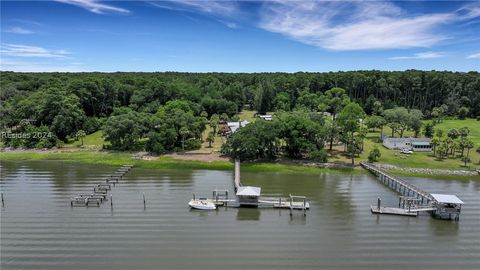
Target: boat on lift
202 204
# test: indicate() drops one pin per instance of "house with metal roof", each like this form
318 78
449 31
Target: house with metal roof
415 144
233 126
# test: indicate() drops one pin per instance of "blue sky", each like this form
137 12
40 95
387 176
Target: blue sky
239 36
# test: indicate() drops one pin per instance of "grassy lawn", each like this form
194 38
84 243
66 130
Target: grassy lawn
418 159
472 124
216 145
113 158
91 141
247 115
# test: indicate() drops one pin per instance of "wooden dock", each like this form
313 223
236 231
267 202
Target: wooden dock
401 186
100 190
236 178
393 211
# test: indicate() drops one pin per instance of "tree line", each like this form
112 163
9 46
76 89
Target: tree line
151 105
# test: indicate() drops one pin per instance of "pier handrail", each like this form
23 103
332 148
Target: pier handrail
372 168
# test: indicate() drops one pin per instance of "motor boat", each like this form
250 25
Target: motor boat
202 204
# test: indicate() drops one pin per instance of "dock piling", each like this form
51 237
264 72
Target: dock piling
379 202
3 201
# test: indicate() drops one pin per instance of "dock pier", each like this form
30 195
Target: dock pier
413 199
100 190
249 196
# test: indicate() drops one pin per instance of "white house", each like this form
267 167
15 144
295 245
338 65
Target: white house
416 144
233 126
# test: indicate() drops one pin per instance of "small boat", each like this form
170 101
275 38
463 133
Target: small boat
202 204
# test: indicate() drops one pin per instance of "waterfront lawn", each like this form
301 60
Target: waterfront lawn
94 141
472 124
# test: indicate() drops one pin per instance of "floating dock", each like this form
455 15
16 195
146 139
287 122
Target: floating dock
392 211
442 206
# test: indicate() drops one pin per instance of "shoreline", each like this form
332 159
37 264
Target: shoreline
214 162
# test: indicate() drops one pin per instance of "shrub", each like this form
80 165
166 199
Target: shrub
374 155
318 155
192 144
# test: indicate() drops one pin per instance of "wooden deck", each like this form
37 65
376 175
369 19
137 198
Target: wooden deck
393 211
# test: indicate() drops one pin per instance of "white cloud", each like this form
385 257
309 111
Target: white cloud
222 8
30 51
474 56
421 55
95 6
23 66
19 30
356 25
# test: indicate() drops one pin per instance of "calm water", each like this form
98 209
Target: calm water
39 229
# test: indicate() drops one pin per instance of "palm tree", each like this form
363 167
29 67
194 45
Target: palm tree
435 142
469 145
80 135
210 139
183 132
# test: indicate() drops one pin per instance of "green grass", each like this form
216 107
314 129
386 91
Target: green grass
120 158
247 115
421 159
94 140
472 124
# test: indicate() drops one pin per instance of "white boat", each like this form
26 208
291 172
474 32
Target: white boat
202 204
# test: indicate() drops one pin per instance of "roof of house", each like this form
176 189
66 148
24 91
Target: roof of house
249 191
421 143
408 139
445 198
235 125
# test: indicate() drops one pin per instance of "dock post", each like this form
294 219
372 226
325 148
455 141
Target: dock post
291 205
379 202
143 199
111 201
305 206
3 201
399 201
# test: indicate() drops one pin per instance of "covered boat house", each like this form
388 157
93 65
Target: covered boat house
248 196
447 206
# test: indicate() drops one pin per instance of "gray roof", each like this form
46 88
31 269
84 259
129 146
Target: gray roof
248 191
421 143
445 198
235 125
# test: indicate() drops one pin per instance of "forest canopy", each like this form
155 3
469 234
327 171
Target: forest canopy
166 111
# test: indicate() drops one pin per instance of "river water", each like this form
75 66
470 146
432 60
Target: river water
39 229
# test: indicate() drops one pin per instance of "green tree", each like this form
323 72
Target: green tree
335 100
466 160
349 120
80 135
214 121
125 130
210 139
428 131
463 113
374 154
184 132
374 122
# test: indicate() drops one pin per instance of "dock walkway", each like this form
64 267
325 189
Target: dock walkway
399 185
